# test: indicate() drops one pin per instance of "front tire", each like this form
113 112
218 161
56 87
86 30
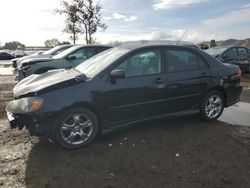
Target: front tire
75 128
212 106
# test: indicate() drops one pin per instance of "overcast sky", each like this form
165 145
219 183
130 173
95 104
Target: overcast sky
32 21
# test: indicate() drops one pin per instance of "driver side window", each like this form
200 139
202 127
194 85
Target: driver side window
143 63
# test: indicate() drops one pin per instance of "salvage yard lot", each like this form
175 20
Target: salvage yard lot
165 153
182 152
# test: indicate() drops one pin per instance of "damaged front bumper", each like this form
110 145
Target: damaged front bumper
19 75
20 121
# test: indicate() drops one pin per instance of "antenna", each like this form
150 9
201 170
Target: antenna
181 37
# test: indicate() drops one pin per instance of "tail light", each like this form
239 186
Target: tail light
238 72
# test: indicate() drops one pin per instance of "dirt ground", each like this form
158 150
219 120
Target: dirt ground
245 80
5 96
182 152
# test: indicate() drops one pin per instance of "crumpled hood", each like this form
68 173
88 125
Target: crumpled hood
33 56
29 61
48 81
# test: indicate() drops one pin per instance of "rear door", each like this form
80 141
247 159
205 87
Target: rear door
187 77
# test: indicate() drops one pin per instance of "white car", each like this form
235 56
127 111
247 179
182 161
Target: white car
47 54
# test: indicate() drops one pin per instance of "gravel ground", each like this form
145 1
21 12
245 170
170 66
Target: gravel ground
183 152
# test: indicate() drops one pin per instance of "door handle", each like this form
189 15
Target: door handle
158 81
203 74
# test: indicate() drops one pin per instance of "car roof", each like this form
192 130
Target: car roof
91 45
140 46
236 46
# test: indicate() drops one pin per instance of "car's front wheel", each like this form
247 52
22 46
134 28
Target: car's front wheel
212 106
75 128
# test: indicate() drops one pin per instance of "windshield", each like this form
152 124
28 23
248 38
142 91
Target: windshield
52 50
216 50
98 63
65 53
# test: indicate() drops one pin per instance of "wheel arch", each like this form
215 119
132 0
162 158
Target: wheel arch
86 105
219 89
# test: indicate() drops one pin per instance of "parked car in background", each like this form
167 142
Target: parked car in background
69 58
237 55
121 86
47 54
18 53
6 56
32 52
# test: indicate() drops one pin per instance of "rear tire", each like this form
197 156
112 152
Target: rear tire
212 106
75 128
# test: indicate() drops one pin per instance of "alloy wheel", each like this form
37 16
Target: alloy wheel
76 129
213 106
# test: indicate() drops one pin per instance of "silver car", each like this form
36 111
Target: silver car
66 59
47 54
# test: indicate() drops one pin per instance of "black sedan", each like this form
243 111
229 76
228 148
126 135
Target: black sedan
237 55
121 86
6 56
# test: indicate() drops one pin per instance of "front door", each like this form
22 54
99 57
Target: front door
138 95
243 59
230 56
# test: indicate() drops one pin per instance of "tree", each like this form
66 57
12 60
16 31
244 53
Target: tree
72 19
52 42
212 44
14 45
91 19
82 16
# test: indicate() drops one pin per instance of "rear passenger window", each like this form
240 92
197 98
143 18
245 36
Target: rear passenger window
181 60
202 63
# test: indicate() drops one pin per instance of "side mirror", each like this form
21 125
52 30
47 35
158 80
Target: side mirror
117 74
71 57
